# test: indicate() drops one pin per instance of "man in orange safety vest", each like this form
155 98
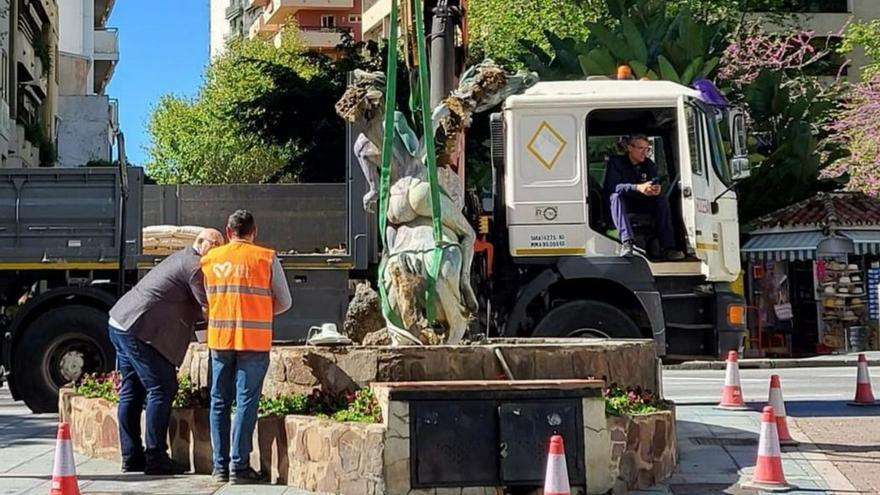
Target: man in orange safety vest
246 288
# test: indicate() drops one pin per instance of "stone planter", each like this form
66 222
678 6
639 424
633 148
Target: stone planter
335 457
270 454
622 453
643 449
94 430
301 369
189 434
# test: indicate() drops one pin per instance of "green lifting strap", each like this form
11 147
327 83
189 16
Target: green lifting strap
387 152
427 131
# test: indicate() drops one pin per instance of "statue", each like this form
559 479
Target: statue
409 253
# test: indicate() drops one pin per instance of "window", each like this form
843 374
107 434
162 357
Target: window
695 139
354 19
719 156
328 21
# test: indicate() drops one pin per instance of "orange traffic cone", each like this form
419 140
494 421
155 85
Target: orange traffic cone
864 394
778 404
556 479
768 474
64 475
731 396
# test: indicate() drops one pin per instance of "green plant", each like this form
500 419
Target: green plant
629 401
656 45
47 153
43 51
188 395
98 385
282 405
362 408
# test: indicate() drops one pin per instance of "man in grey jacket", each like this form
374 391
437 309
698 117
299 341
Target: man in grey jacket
151 327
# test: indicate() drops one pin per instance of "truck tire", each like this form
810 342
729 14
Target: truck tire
57 348
587 319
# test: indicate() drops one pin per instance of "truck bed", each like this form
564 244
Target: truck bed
65 217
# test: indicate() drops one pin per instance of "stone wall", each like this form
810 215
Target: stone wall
94 431
643 449
334 457
93 426
300 369
621 452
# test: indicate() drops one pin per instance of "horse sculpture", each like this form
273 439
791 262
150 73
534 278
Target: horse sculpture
408 257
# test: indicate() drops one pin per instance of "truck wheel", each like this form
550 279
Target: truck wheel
56 349
587 319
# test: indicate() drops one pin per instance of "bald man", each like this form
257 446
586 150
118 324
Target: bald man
151 327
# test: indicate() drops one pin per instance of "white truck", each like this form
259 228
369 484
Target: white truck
550 263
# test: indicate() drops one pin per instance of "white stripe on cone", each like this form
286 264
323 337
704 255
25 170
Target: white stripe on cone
862 376
64 462
556 479
768 446
731 377
777 403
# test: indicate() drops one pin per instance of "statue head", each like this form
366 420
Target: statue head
364 100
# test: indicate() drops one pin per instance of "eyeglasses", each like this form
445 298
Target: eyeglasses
643 148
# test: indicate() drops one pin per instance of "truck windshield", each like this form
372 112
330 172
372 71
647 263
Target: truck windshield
719 156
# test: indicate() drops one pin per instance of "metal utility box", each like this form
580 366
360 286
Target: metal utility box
493 437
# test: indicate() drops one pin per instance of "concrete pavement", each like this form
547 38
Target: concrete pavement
27 455
840 444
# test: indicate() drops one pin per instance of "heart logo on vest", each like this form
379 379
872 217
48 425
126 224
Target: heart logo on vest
222 270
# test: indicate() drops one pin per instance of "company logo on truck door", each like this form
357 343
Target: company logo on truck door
546 145
548 213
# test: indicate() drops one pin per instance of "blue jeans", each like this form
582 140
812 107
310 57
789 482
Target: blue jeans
657 206
146 377
241 373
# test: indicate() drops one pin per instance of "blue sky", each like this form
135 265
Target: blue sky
163 47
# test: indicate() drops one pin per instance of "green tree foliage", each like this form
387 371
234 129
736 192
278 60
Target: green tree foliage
658 39
867 36
496 27
197 141
299 113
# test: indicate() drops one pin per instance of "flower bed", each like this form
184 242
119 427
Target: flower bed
337 444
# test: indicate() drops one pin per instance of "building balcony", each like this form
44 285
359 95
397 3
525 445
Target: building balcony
103 8
106 56
107 44
260 28
277 11
30 69
234 11
375 12
322 38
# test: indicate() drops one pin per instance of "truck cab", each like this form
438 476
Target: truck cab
557 138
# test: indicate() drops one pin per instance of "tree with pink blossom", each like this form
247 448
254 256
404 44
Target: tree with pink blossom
857 130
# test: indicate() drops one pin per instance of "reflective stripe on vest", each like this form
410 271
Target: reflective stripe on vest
238 279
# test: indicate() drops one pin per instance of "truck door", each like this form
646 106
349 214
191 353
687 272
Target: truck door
695 183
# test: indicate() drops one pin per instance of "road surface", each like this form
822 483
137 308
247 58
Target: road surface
798 384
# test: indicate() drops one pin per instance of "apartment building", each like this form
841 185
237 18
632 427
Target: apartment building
828 18
230 18
28 82
322 23
88 51
376 20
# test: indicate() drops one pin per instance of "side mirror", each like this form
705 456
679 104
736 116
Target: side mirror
739 164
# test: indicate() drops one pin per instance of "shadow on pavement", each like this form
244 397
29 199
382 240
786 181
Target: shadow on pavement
826 408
